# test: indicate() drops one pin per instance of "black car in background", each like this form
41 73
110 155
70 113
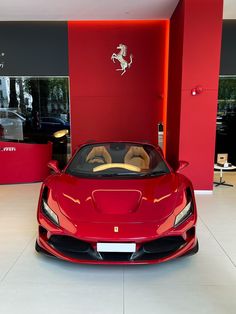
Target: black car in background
51 125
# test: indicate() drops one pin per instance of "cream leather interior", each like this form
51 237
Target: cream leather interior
99 154
137 156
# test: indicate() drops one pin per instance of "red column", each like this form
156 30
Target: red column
195 42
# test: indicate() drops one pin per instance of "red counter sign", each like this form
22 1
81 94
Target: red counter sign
23 162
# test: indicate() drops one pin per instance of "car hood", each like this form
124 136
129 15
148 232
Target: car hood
84 200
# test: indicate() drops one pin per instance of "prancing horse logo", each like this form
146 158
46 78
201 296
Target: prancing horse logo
120 57
116 229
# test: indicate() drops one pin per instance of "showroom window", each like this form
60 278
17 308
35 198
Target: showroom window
35 110
226 118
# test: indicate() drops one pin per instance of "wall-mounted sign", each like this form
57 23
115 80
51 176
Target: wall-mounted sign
7 149
120 56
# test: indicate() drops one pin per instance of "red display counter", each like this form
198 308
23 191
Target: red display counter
24 162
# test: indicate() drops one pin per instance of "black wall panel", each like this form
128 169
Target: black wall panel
41 48
228 48
33 49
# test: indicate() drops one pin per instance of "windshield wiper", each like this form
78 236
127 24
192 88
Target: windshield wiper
137 175
155 174
118 174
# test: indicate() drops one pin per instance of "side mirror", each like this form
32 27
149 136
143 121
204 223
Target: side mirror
53 164
182 164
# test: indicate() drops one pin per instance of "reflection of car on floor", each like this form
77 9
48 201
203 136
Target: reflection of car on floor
11 124
51 125
117 203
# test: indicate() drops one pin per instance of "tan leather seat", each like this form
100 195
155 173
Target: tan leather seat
99 154
137 156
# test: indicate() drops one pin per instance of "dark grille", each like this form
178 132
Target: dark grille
163 245
159 248
65 243
75 248
116 257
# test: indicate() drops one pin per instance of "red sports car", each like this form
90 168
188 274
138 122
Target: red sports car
117 203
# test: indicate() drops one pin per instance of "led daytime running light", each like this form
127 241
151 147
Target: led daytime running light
183 214
50 213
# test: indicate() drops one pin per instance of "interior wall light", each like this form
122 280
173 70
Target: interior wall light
196 90
60 133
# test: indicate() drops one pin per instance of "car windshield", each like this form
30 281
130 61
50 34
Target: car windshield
117 159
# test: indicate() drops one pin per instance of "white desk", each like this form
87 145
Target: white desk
216 167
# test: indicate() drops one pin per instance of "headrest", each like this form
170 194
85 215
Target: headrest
137 156
99 154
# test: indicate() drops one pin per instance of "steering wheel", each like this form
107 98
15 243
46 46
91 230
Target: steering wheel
117 165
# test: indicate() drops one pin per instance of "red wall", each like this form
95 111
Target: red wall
23 162
104 104
195 40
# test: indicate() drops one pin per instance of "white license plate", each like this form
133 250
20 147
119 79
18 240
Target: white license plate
116 247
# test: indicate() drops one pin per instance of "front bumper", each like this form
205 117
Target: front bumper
172 244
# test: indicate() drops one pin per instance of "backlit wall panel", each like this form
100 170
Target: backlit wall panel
106 105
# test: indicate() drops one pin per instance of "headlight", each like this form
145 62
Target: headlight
50 213
184 214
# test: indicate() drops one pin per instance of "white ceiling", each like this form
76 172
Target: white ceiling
21 10
229 9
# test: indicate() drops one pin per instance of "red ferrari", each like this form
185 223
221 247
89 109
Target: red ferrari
117 203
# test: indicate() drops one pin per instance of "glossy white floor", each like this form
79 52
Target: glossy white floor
32 283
